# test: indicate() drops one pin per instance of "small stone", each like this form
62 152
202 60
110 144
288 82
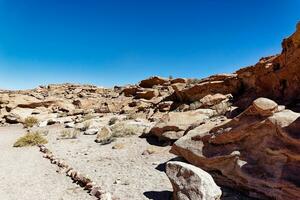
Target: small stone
91 131
73 174
90 185
125 183
96 191
150 150
69 171
70 125
54 161
118 146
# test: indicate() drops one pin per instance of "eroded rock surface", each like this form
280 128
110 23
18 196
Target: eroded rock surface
252 152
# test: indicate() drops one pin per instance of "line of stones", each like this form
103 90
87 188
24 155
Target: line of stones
82 180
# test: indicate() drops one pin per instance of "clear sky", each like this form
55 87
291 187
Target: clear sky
115 42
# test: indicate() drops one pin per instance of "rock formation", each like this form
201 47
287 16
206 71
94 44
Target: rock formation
256 151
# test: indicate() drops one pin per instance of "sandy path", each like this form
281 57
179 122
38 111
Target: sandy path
26 175
125 172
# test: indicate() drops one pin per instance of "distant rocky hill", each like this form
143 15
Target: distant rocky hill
242 128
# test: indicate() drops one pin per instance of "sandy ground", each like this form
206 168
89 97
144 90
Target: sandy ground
125 172
26 175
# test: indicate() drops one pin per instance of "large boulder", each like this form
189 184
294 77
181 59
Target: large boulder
130 127
265 106
228 84
252 152
147 94
104 136
191 183
20 113
218 102
211 100
130 91
173 124
178 80
152 81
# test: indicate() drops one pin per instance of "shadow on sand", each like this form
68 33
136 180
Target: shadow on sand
158 195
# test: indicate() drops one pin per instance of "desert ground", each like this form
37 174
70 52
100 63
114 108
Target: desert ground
134 176
25 174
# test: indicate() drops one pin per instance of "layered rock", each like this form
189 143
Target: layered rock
275 77
256 151
173 125
228 84
152 81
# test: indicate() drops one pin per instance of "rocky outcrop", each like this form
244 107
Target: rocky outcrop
147 94
276 77
152 81
256 151
173 125
228 84
191 183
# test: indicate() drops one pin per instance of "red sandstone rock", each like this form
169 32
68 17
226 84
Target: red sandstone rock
253 152
152 81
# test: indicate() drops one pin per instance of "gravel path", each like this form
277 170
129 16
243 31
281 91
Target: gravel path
26 175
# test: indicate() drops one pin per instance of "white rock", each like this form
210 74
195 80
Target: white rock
91 131
70 125
264 106
191 183
104 135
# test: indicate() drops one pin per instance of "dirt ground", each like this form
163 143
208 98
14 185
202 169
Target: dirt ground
120 167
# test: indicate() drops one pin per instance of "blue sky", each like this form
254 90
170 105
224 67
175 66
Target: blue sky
117 42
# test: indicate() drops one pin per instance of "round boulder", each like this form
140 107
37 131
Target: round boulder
265 107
